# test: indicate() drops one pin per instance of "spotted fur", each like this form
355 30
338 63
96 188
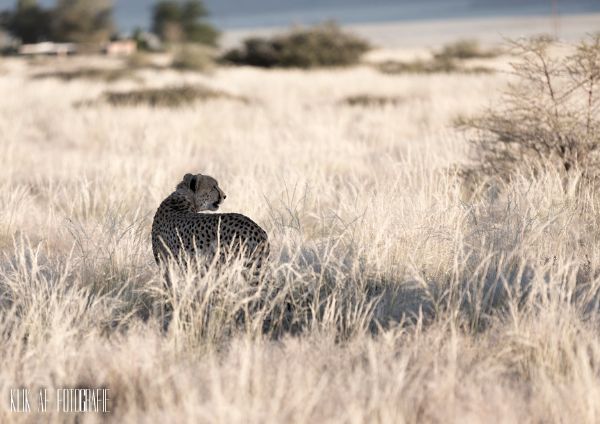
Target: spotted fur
178 227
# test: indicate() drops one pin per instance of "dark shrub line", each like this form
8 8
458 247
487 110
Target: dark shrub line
320 46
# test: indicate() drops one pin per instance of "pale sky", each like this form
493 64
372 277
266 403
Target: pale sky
257 13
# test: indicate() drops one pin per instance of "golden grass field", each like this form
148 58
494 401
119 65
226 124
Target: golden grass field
413 300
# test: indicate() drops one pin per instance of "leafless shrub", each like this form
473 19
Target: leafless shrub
549 117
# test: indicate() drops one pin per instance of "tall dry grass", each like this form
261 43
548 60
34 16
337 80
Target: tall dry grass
392 296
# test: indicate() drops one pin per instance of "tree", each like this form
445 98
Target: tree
83 21
550 116
182 21
24 4
29 22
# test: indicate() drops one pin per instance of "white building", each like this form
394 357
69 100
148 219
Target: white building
48 48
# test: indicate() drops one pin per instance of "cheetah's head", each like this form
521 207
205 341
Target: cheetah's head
203 191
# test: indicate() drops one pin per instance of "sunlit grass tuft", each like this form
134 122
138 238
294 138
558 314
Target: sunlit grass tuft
394 292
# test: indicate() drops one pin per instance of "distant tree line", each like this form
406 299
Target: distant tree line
91 21
82 21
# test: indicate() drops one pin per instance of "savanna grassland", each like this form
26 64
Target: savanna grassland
396 292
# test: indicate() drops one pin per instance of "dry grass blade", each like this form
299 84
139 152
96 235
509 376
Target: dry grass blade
392 293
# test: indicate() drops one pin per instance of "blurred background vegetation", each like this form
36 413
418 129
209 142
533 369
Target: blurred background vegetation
180 28
79 21
91 21
321 45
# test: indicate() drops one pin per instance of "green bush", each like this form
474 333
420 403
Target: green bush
83 21
80 21
166 97
431 66
465 49
176 21
320 46
98 74
370 100
418 66
140 60
193 57
28 22
448 60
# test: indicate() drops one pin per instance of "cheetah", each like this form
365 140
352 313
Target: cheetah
179 231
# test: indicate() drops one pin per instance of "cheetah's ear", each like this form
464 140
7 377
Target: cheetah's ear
194 183
189 181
